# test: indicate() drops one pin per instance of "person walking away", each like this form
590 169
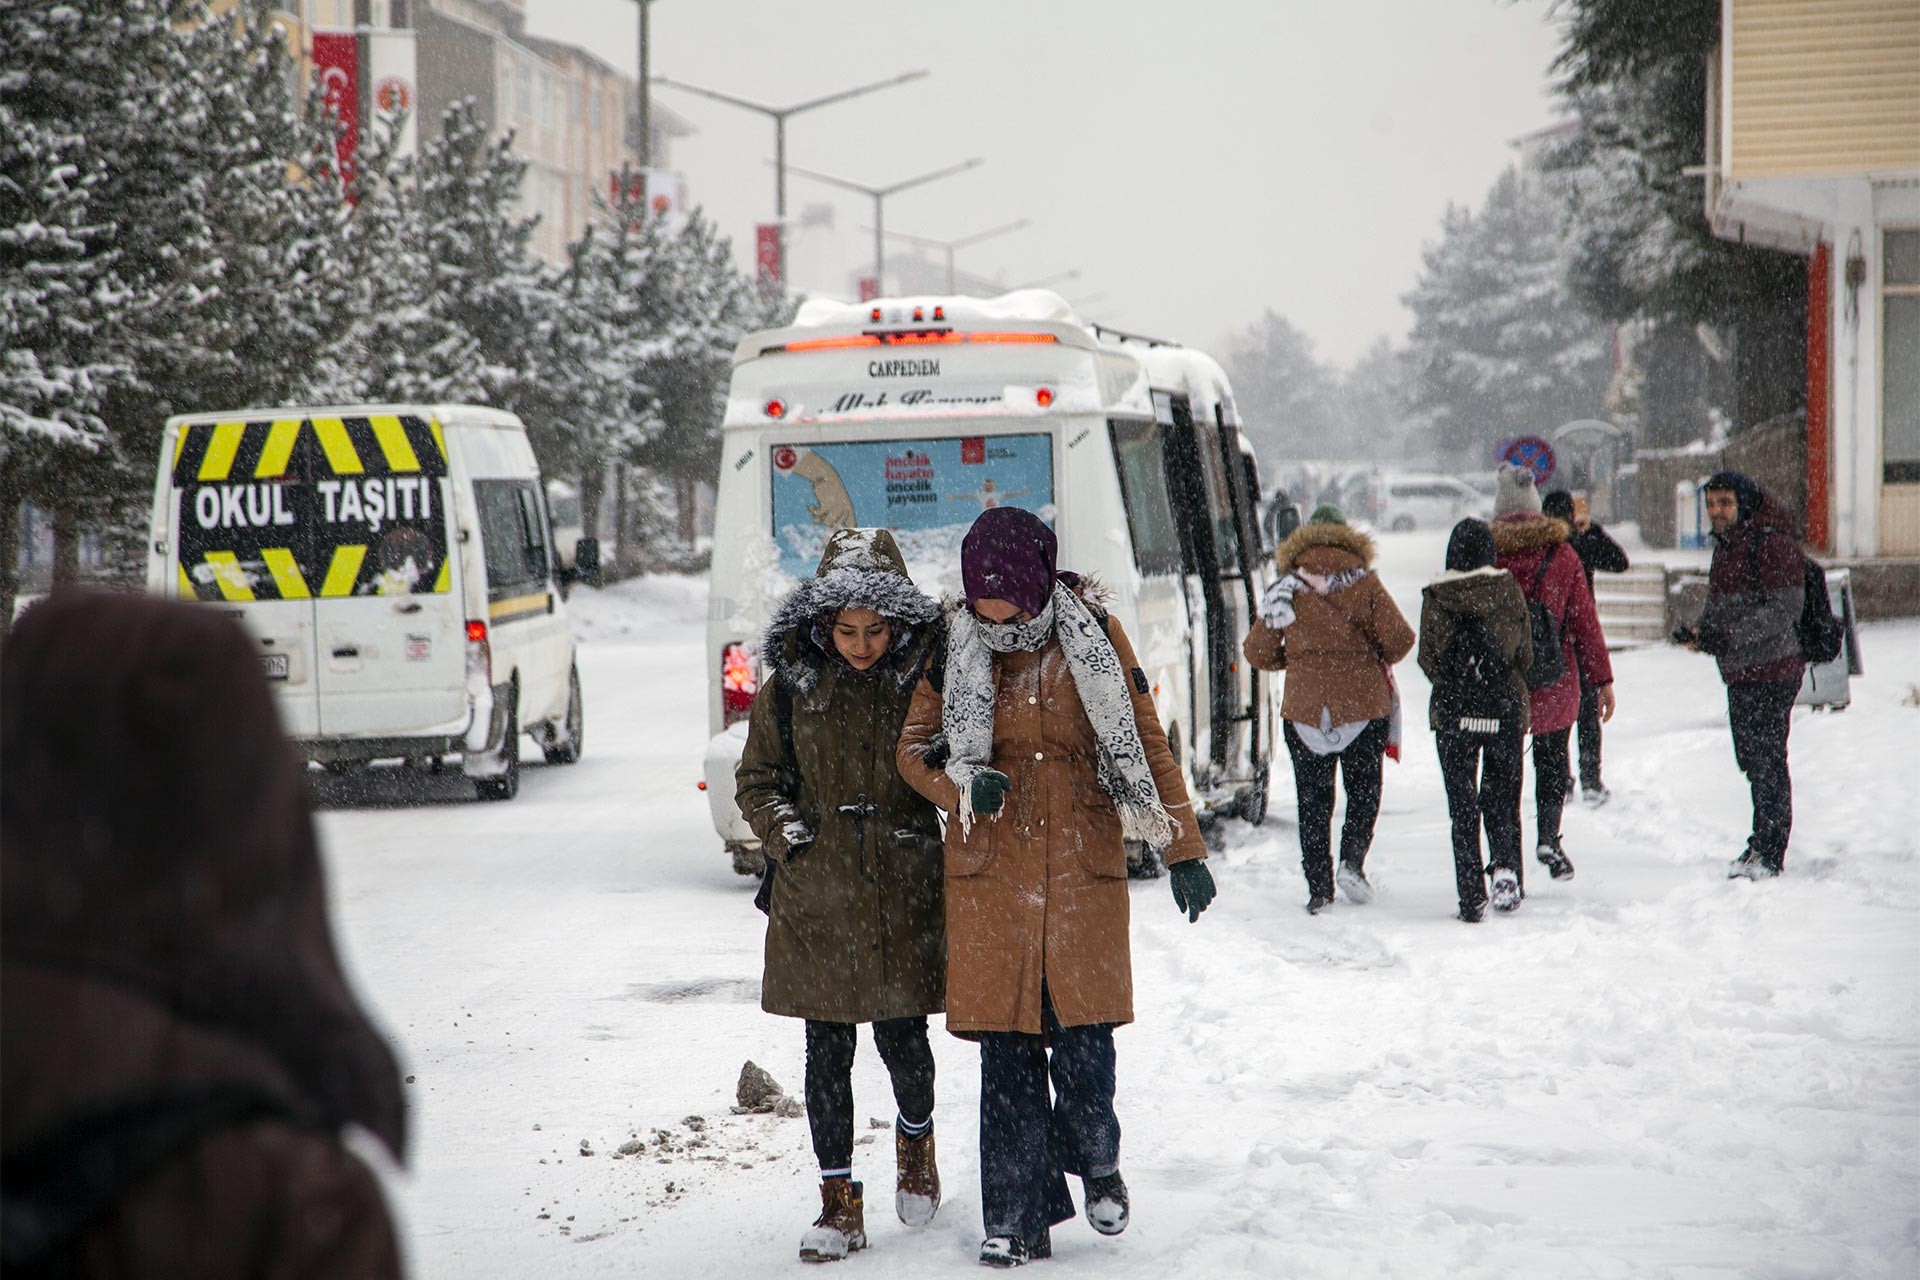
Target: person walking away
182 1050
1756 589
1330 624
1475 646
856 928
1038 738
1531 546
1598 552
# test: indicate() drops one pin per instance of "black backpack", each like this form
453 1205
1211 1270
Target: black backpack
1474 691
1818 632
1549 664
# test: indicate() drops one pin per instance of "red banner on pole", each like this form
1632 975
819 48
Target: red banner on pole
767 255
869 288
336 60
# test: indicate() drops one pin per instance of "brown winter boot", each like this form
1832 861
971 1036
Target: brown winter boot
917 1193
841 1227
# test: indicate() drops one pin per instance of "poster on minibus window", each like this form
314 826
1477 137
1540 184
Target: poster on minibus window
927 491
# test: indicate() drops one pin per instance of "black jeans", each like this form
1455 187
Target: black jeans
1589 737
1551 782
1029 1144
1761 715
1359 765
1482 773
903 1047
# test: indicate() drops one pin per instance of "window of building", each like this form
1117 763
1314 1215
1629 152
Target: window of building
1900 356
523 89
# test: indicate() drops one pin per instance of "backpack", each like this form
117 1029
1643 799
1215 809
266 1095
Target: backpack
1473 692
1818 632
1549 663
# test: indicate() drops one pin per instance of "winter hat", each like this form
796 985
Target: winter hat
1559 505
1009 555
1746 494
1327 513
1517 494
1470 546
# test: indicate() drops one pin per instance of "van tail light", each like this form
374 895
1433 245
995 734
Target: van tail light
739 681
479 653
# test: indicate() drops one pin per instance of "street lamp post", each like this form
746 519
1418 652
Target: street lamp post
779 115
645 108
949 246
879 196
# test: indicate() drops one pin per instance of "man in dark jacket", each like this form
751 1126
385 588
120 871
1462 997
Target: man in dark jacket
182 1048
1597 551
1755 591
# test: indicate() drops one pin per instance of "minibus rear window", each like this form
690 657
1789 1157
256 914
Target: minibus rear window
1143 488
928 490
298 508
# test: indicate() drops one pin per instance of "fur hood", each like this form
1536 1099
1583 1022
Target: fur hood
861 569
1518 534
1307 537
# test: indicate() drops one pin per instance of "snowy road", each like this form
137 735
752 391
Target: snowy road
1647 1071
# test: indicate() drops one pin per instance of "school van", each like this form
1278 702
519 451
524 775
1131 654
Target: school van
917 414
396 563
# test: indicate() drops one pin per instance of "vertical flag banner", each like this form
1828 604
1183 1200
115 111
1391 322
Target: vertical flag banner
766 253
336 61
392 65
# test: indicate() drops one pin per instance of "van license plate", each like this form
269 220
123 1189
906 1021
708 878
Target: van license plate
275 664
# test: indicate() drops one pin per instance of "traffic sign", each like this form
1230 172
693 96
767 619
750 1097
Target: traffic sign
1530 453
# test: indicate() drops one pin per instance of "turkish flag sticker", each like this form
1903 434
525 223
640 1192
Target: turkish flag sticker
973 451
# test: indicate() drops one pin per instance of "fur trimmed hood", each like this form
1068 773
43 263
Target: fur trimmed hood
1308 537
860 569
1517 534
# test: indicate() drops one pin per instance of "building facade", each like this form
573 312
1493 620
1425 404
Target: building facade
1814 147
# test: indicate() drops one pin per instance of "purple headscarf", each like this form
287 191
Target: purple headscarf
1009 555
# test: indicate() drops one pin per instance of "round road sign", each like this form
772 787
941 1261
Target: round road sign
1530 453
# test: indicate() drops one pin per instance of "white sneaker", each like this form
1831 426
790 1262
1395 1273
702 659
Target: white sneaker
1353 883
1506 890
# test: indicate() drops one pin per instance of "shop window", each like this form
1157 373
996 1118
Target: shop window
1900 357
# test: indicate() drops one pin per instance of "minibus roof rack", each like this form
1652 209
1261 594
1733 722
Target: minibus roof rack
1107 331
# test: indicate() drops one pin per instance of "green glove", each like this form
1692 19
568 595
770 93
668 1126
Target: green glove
1192 886
990 788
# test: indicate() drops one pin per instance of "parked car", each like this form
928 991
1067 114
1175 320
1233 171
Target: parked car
1426 500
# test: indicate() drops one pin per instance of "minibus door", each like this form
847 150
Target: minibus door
1243 587
1203 508
240 537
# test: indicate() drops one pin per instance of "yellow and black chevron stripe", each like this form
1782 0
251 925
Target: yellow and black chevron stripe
276 573
310 448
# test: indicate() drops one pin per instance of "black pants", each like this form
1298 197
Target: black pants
903 1047
1589 737
1551 782
1029 1144
1359 765
1760 715
1482 773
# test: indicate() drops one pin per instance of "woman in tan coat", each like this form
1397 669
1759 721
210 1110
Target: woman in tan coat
1329 622
1038 738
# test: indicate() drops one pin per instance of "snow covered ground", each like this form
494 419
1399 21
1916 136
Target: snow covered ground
1646 1071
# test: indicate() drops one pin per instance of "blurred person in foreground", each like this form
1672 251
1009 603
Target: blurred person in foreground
1053 758
182 1051
1756 590
1598 552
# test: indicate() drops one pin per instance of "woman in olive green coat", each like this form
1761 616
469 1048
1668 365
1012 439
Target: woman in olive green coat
856 928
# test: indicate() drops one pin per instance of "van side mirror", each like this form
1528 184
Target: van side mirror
586 561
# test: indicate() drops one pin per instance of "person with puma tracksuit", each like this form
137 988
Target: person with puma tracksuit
1532 547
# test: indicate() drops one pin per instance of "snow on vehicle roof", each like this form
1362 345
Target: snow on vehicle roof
1020 305
1193 374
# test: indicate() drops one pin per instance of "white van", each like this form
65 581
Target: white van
396 564
917 414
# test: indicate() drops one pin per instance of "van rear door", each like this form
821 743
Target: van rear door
240 530
389 625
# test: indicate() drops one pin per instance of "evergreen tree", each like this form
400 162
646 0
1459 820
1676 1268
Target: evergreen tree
1500 348
1289 402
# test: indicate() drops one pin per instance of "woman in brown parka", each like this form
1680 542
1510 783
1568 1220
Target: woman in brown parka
1329 622
855 923
181 1049
1037 736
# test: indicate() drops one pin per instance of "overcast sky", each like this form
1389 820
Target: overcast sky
1196 162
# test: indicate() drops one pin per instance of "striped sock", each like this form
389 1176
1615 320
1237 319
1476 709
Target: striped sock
911 1130
827 1175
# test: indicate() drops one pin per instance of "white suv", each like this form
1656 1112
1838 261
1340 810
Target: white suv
1427 500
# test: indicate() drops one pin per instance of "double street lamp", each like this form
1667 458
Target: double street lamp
928 242
879 197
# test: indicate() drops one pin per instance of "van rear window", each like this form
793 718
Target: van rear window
298 508
927 491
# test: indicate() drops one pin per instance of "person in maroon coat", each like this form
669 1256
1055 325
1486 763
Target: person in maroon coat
1532 547
182 1050
1755 592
